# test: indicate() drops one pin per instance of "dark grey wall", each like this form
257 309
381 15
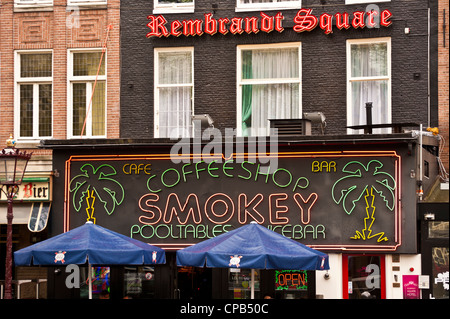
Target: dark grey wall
323 62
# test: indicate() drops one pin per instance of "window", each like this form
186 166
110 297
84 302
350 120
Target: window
39 216
239 283
254 5
33 97
369 80
87 94
363 277
174 91
28 4
364 1
86 2
268 86
173 6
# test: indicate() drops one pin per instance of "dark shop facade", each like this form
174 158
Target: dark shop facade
308 117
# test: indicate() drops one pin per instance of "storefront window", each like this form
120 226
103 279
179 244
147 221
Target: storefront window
239 283
100 282
364 277
438 229
440 272
139 282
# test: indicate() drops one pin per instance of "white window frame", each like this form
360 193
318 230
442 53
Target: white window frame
84 79
240 82
33 4
158 85
364 1
159 8
274 5
36 81
87 2
350 79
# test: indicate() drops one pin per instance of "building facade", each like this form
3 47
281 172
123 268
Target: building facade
239 111
233 111
50 52
245 63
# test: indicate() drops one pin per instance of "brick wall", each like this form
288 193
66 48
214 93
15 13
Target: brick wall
323 63
443 75
56 30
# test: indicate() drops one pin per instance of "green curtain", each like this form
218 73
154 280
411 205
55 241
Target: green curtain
246 93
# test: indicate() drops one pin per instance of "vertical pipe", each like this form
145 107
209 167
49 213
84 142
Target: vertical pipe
252 291
369 117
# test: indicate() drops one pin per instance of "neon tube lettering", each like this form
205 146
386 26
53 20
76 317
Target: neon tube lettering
210 24
305 21
251 25
173 206
174 28
155 212
326 23
156 25
210 211
223 25
371 18
385 16
342 20
236 25
274 215
358 19
192 27
246 208
310 201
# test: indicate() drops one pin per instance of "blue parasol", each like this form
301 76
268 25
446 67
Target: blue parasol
253 247
90 244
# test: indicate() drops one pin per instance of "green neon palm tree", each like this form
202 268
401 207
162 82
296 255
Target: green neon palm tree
365 182
96 183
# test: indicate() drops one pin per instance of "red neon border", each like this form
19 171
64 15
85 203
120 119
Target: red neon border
344 248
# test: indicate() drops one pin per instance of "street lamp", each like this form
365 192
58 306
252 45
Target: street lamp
13 163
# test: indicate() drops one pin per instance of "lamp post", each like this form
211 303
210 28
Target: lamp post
13 163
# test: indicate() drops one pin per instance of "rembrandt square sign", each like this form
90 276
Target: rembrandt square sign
332 200
304 21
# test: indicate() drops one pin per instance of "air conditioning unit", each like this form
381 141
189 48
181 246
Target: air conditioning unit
290 127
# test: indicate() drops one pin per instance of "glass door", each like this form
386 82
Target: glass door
364 277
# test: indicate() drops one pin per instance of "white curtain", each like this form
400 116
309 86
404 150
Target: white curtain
272 100
368 63
175 93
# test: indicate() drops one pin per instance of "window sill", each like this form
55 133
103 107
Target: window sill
33 8
267 8
173 10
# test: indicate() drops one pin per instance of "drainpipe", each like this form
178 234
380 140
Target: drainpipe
420 164
429 84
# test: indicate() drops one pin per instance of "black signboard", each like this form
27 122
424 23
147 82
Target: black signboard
329 200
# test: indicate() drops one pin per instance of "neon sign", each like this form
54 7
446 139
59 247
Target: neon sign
291 280
326 200
304 21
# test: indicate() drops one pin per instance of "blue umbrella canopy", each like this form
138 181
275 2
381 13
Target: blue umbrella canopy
255 247
91 244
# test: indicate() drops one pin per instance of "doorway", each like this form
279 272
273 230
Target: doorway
193 283
434 226
363 277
